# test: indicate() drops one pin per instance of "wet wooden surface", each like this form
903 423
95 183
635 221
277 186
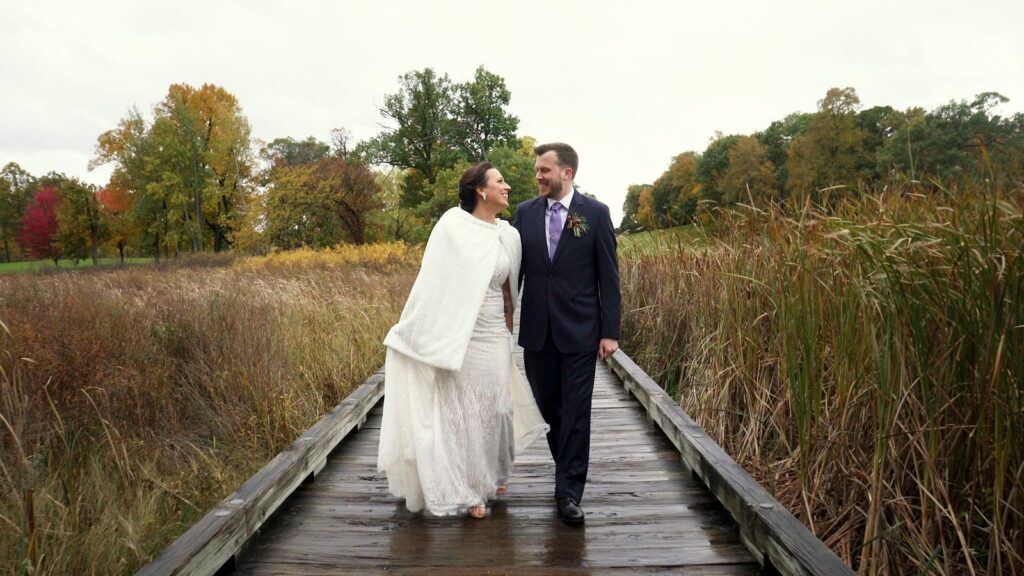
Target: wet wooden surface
645 514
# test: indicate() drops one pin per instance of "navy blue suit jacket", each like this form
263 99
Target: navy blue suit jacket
578 291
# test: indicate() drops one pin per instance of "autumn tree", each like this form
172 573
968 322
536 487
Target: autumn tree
685 189
115 209
38 231
645 215
750 175
321 203
673 196
208 157
831 152
191 168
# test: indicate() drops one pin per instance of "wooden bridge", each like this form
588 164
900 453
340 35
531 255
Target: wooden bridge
661 498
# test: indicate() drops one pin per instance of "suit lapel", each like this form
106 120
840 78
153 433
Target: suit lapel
542 220
577 205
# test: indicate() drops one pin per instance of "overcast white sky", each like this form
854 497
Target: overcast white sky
629 84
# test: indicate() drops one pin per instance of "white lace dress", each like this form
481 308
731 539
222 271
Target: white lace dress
447 441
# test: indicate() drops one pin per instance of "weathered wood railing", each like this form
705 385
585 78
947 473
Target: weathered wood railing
211 544
780 542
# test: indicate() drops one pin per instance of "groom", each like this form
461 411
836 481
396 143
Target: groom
570 311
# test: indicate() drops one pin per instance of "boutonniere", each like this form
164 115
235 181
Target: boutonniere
577 223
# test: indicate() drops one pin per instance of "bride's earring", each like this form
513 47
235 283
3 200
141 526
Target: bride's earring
484 196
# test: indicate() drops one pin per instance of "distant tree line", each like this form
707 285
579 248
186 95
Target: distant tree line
839 149
54 216
189 177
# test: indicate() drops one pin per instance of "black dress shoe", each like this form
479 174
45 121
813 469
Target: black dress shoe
569 511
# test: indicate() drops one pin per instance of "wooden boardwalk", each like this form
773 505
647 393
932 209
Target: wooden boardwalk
645 514
661 498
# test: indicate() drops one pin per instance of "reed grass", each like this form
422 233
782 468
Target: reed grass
864 362
133 400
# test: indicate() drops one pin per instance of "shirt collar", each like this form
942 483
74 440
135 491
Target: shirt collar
566 200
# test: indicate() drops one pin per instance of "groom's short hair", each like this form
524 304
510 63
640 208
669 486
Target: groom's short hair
567 157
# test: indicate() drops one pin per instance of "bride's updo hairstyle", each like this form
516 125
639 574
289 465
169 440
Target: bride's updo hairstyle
474 177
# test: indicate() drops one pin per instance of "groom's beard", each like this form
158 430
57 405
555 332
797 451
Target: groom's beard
554 189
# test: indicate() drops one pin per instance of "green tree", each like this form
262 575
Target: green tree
481 121
9 216
393 221
420 117
630 207
433 125
291 152
878 125
136 165
17 187
81 227
515 162
956 140
713 164
443 193
776 139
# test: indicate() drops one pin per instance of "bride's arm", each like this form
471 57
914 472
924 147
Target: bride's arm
506 292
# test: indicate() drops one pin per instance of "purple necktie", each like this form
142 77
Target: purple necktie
554 229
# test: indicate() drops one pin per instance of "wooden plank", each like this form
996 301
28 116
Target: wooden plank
771 533
301 569
217 537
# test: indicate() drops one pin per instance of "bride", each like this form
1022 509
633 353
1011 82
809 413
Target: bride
456 409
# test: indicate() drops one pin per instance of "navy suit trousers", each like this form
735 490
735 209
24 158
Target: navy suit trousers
563 385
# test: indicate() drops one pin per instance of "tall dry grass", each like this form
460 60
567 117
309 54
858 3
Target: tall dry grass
133 400
865 363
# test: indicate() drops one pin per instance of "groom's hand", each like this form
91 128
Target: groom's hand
607 348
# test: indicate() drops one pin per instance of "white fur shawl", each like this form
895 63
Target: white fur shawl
458 262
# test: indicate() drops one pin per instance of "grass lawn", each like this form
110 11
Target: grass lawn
659 241
37 265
